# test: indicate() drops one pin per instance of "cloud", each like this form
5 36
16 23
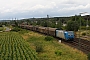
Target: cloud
40 8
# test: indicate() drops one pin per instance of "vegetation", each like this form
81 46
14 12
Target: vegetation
73 23
49 38
39 47
16 29
14 47
72 26
20 30
89 56
83 33
58 53
1 28
52 50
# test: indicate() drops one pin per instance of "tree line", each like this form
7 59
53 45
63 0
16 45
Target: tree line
73 23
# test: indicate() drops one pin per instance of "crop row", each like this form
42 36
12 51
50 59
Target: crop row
14 47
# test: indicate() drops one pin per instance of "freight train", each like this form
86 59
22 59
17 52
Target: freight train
66 35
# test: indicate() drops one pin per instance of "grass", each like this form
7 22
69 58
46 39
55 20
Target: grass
1 28
86 36
51 47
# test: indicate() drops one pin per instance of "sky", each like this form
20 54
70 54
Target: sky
11 9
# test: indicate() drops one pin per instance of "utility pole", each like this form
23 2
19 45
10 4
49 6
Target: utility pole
75 22
75 27
79 30
47 25
87 25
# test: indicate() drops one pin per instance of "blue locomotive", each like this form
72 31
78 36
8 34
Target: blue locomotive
67 35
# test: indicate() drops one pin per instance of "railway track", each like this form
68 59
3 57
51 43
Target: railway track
82 45
83 41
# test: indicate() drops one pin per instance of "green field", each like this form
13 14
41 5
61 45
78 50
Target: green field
14 47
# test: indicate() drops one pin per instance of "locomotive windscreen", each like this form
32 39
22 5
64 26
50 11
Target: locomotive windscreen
70 32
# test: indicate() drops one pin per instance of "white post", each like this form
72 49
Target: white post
60 41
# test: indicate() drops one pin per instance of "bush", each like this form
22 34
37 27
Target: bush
39 47
88 56
84 34
49 38
83 27
1 29
16 29
58 53
22 31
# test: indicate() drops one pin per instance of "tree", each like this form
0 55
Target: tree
78 19
38 22
75 22
82 21
45 23
16 23
72 26
59 25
